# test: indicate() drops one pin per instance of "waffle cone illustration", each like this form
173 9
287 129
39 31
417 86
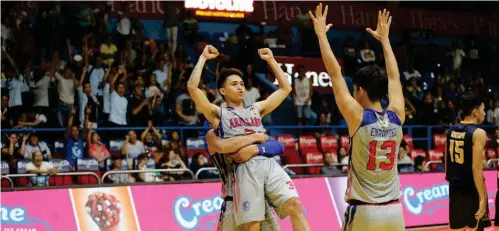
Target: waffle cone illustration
105 211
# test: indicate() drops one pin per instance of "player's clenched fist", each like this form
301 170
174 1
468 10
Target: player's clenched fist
265 54
210 52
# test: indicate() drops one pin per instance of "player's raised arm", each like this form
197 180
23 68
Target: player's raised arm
210 111
233 144
351 110
479 140
275 99
395 94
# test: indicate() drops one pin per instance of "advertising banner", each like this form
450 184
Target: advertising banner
182 207
425 197
37 210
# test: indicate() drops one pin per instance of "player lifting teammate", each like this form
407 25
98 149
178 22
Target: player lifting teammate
260 178
373 188
463 166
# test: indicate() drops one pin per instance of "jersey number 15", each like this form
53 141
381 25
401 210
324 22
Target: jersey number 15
456 151
390 147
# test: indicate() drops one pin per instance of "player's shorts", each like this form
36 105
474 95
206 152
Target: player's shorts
374 217
227 221
463 204
258 180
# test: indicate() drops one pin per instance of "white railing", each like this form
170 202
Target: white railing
432 162
10 180
10 176
205 169
147 170
492 161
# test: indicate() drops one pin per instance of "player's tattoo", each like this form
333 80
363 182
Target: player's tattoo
194 74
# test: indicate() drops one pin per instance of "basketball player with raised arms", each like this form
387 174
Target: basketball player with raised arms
463 168
261 178
244 147
373 187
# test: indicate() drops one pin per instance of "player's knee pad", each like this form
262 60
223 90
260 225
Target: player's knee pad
292 207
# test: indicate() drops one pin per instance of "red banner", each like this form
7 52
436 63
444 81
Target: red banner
314 68
344 15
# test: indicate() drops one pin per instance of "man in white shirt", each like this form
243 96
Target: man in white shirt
40 167
302 94
124 27
132 147
119 103
40 84
252 93
66 88
14 84
96 75
33 145
457 59
411 72
161 73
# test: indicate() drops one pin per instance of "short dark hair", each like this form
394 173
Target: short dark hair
373 81
469 102
225 74
142 156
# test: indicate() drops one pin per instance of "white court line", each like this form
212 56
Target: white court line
74 209
133 207
333 200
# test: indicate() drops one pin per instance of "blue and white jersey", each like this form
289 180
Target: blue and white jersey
373 176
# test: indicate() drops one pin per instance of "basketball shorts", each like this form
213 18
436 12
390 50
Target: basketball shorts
228 223
259 180
373 217
463 204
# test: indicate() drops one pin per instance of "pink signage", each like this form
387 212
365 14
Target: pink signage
425 197
37 210
197 206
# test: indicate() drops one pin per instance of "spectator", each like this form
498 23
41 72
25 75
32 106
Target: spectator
31 119
490 112
403 156
413 91
129 54
89 104
163 74
119 178
186 109
176 144
305 29
428 111
457 55
411 73
151 143
96 149
142 164
420 164
343 158
124 27
410 112
496 113
350 57
474 57
40 167
74 141
448 114
106 94
35 145
252 93
190 27
14 152
172 160
199 161
14 83
118 101
302 94
367 54
138 108
108 51
7 121
172 17
330 168
65 87
132 147
452 93
96 75
40 84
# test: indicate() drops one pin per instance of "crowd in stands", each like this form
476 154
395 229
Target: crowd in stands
70 69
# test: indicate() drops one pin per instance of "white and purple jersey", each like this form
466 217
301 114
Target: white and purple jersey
235 122
373 176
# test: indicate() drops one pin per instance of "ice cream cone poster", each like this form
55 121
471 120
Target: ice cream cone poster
104 209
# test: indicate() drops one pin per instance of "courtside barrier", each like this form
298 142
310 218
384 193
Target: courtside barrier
427 165
9 180
57 174
205 169
196 206
147 171
492 161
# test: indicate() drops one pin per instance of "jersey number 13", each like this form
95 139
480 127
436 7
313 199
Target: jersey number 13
390 147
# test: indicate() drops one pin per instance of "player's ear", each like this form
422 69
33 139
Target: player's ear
222 91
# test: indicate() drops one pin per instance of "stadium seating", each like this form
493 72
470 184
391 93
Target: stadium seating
408 140
290 155
88 165
309 151
345 142
439 140
435 155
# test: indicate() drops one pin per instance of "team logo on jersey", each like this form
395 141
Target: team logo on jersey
231 113
246 206
254 111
